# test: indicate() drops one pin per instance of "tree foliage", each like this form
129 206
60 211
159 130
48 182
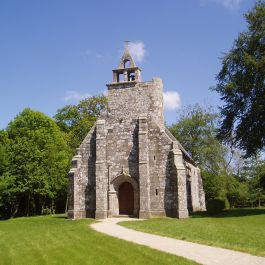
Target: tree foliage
38 161
35 152
195 129
241 84
4 141
225 173
253 173
76 120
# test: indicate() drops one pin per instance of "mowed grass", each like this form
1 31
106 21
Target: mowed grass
56 240
238 229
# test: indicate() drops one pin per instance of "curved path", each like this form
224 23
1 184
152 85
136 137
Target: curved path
200 253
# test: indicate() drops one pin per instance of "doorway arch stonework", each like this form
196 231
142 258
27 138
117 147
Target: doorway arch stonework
114 194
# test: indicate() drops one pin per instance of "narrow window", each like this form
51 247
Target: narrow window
154 157
156 192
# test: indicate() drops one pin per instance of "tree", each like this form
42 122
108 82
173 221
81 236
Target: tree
251 175
38 159
195 129
237 191
257 183
3 151
215 185
76 120
241 84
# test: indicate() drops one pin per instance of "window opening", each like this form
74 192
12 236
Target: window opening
132 77
120 77
127 64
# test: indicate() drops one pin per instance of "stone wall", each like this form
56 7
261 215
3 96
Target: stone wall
130 143
128 100
197 192
82 180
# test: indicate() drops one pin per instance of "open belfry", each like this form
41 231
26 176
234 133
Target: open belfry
129 163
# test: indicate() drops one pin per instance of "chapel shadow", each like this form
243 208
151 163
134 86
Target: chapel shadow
60 217
239 212
90 190
170 193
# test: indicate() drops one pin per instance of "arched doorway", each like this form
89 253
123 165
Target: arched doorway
126 198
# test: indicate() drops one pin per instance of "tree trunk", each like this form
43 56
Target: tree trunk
42 208
52 207
14 208
66 205
28 202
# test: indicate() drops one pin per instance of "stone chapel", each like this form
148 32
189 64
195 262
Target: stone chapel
129 163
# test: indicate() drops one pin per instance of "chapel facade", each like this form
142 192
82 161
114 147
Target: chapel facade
129 163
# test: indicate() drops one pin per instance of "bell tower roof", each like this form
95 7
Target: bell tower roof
126 59
127 71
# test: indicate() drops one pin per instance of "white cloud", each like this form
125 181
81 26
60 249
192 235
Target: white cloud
94 55
232 4
72 95
171 100
229 4
85 53
137 50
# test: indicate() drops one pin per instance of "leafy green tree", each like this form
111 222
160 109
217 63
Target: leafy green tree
252 175
241 84
215 185
260 172
237 191
9 192
38 158
262 180
4 142
195 129
256 183
76 120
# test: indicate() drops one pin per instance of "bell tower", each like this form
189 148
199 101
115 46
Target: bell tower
127 70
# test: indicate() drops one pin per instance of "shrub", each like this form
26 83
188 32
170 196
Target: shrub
215 206
47 211
227 203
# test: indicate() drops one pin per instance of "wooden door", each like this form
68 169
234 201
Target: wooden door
126 198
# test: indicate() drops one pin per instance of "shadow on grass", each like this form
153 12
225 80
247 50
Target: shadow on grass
60 216
231 213
56 216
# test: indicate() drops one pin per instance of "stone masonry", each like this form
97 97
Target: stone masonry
129 163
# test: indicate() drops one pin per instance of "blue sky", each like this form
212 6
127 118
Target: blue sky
54 52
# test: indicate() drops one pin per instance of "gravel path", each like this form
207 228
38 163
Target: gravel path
200 253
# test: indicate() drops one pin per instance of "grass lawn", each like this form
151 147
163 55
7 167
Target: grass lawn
238 229
56 240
